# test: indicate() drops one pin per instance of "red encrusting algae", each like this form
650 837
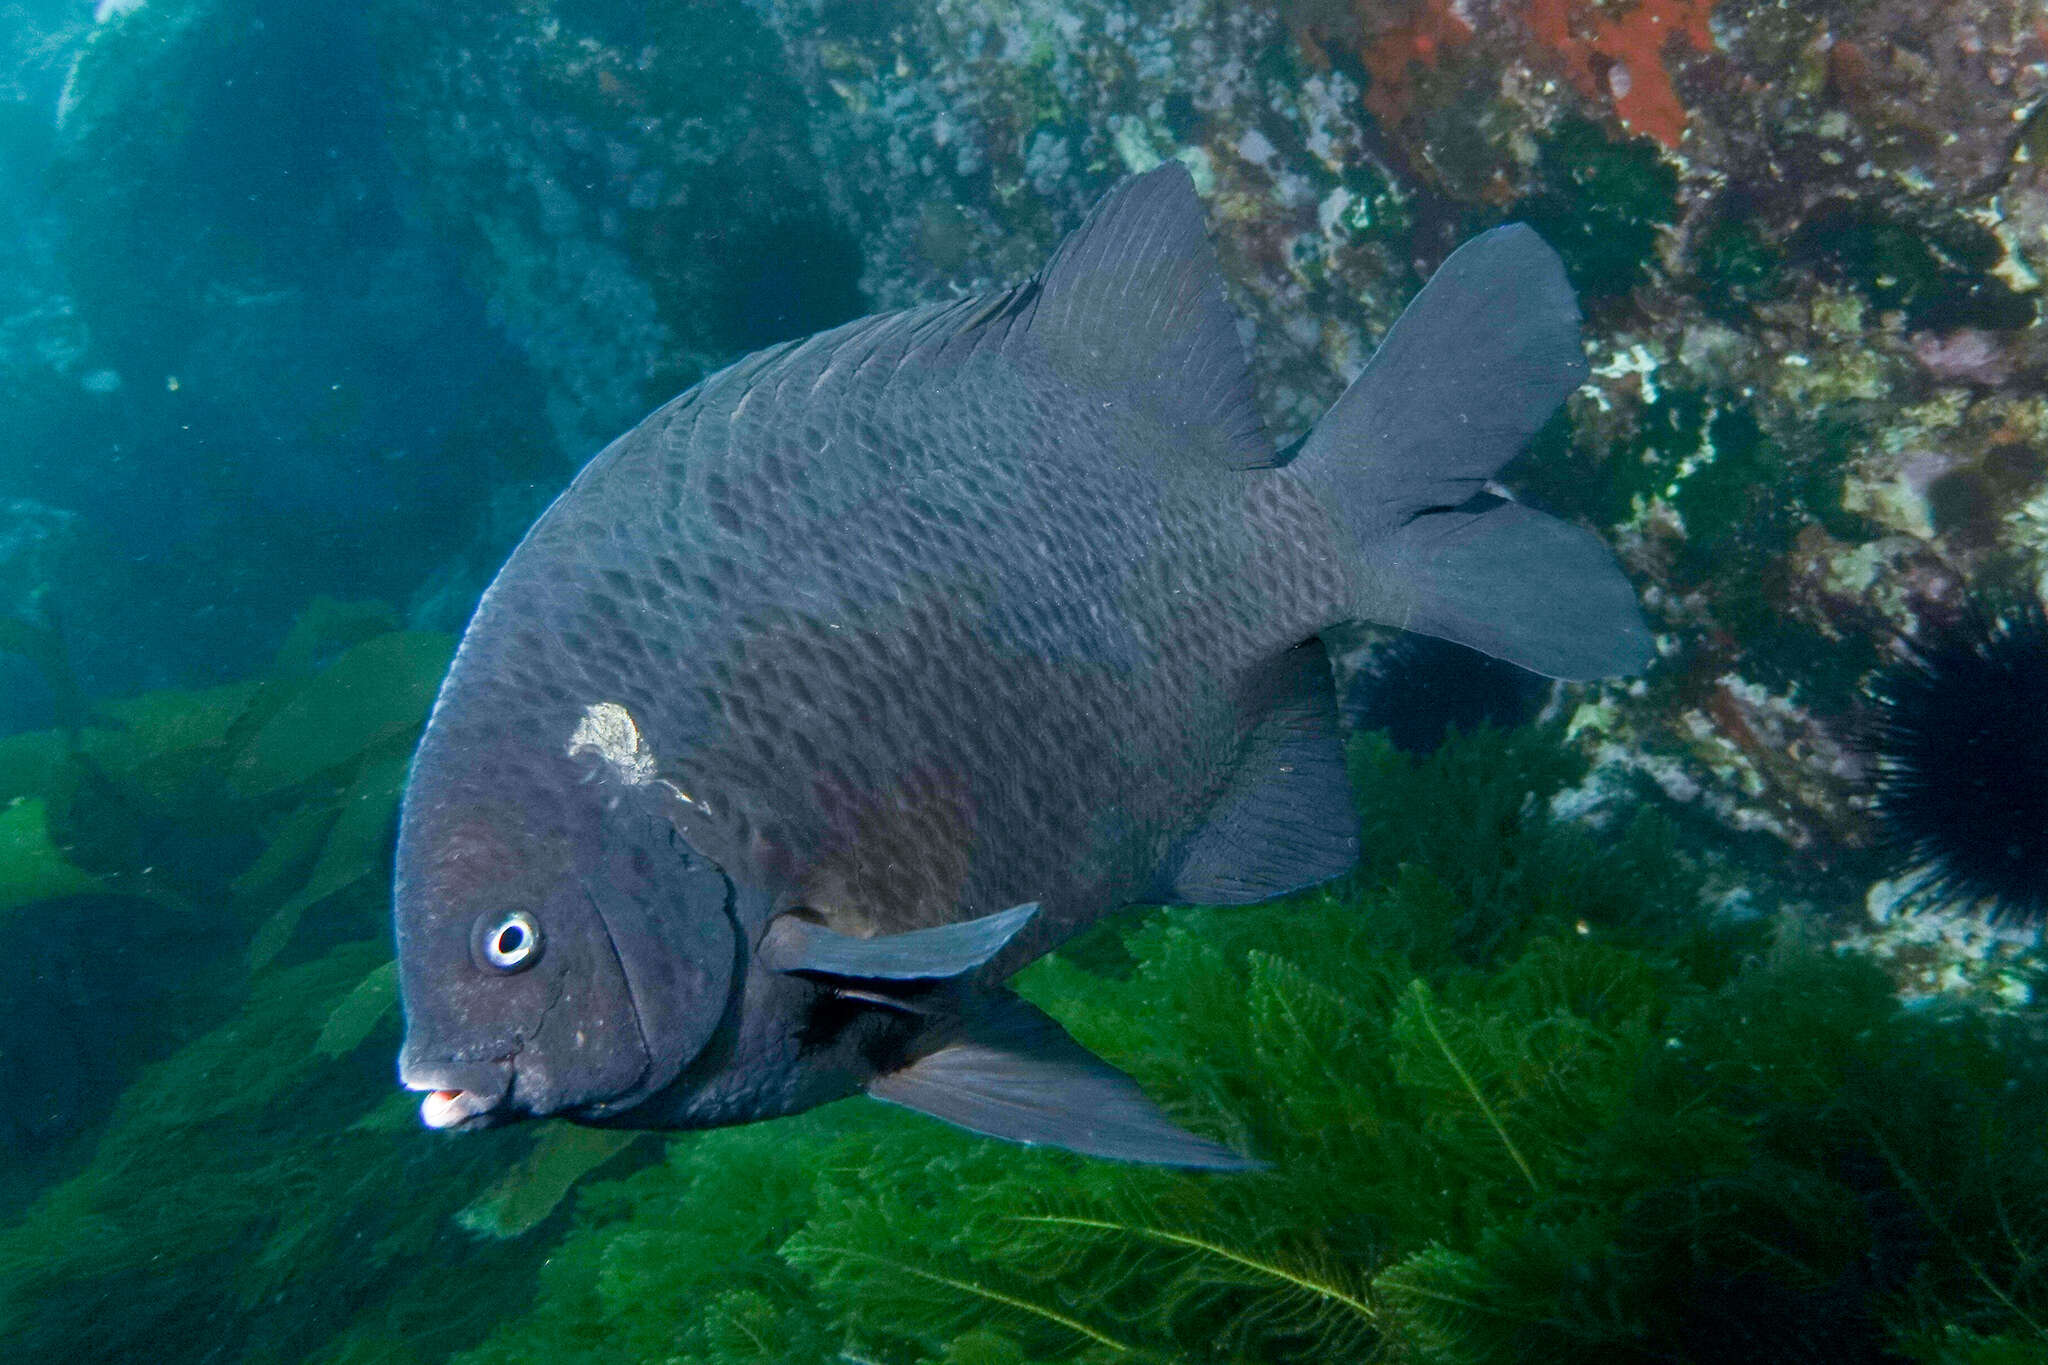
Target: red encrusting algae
1419 39
1619 54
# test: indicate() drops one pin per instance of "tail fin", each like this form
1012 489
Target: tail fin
1479 361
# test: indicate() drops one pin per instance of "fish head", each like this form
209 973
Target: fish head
562 949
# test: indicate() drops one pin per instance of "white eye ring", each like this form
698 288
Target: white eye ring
510 942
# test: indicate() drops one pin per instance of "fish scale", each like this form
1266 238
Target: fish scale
1048 486
880 663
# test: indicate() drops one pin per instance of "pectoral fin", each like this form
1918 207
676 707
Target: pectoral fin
795 944
1008 1071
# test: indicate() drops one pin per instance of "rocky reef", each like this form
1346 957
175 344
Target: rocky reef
1808 244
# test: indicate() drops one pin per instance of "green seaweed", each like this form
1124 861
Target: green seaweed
30 761
353 849
295 841
377 691
32 867
249 792
361 1009
1570 1120
1940 277
257 1191
133 876
1602 203
328 627
1738 267
1519 1096
532 1190
234 1206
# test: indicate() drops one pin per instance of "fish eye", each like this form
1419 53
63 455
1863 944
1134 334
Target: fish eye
508 941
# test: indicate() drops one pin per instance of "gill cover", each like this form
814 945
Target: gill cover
667 911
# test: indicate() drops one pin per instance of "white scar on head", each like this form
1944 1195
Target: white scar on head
608 731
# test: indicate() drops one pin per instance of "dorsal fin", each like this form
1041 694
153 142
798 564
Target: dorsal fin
1132 306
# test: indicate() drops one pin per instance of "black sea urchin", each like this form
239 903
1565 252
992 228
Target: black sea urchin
1960 748
1416 687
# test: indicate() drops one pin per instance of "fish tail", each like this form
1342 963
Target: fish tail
1477 363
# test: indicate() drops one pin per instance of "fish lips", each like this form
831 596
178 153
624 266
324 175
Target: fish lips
468 1095
460 1095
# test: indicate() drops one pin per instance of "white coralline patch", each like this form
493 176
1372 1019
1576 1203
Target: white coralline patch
1255 147
609 731
1330 212
1947 949
1133 145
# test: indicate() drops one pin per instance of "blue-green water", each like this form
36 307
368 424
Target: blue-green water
1614 1047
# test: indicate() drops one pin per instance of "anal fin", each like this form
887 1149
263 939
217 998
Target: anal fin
1285 821
1008 1071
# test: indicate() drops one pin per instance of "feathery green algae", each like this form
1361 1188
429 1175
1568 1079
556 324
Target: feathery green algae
1520 1097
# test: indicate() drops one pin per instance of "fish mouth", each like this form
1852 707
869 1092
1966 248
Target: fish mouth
461 1095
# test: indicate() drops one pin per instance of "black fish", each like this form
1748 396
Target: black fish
879 663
